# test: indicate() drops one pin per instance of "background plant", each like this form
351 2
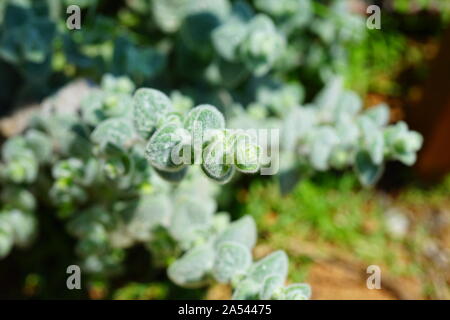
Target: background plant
334 133
298 35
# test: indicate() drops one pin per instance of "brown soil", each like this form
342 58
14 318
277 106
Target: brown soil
340 282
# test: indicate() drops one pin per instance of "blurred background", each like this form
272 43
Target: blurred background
330 226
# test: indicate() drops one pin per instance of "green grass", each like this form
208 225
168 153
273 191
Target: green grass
333 214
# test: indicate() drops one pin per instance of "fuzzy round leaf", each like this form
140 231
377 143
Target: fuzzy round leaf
241 231
232 259
203 121
298 291
367 171
150 106
376 148
23 226
227 38
217 164
247 290
23 169
296 124
118 164
68 168
325 139
148 213
117 84
40 144
262 46
91 108
192 216
14 148
115 131
6 244
379 114
348 107
117 105
348 133
161 145
372 139
402 144
275 263
327 100
271 283
191 269
280 97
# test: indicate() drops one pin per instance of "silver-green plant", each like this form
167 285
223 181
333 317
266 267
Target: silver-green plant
109 173
227 258
334 132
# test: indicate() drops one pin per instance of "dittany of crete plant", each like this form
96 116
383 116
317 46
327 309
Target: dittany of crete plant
333 132
117 173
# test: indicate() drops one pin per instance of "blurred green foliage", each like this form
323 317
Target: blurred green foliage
142 291
391 60
159 44
168 44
